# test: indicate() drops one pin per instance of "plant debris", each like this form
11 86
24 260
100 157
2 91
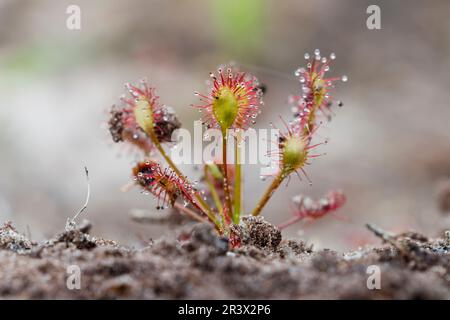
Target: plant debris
10 239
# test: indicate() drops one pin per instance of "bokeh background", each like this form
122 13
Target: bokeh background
389 145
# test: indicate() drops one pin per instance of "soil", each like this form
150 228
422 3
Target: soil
199 265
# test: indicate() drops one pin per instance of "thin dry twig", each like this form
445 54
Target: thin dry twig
71 223
386 236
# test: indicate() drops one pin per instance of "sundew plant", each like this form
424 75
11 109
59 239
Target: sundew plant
232 102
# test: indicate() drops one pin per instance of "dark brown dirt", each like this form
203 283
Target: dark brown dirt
198 264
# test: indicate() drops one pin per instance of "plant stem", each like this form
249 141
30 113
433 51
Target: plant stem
206 209
269 192
189 212
226 186
214 194
237 180
286 224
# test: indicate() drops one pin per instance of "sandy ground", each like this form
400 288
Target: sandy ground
200 265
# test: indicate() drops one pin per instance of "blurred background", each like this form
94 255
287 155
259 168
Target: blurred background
389 146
